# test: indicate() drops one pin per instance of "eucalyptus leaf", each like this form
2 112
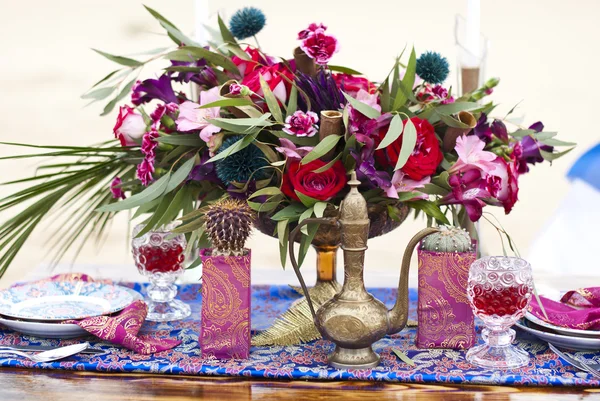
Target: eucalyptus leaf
433 189
189 53
263 207
409 141
283 232
129 62
553 156
319 208
393 133
281 229
290 212
385 96
247 122
452 122
522 133
225 32
106 78
306 200
293 102
190 140
181 174
453 108
343 70
99 94
540 136
361 107
228 102
329 164
124 92
272 102
556 142
411 69
430 209
327 144
157 215
305 215
266 191
306 240
236 147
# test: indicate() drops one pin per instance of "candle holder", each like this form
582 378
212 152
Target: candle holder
472 48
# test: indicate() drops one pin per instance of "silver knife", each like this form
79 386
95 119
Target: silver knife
89 351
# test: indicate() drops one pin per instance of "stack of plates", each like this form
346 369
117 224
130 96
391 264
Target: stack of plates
41 309
579 340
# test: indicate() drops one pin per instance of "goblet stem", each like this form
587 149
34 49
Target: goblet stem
498 337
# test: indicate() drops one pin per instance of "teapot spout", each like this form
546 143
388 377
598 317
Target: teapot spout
398 315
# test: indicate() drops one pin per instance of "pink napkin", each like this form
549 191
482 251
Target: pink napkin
122 328
577 309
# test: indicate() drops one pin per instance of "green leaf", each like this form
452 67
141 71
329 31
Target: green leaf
329 164
363 108
266 191
246 122
290 212
145 208
190 140
556 142
152 192
553 156
522 133
409 141
181 174
406 196
300 141
321 149
305 242
99 94
272 102
319 208
400 97
106 78
403 357
453 108
189 53
452 122
306 200
305 215
540 136
442 180
343 70
283 232
124 92
430 209
281 228
433 189
236 147
129 62
158 214
225 32
189 227
293 102
385 96
263 207
411 68
228 102
394 132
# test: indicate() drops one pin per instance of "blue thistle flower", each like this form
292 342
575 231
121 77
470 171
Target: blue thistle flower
432 67
239 166
247 22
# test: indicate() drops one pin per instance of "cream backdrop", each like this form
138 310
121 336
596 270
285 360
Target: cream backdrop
545 52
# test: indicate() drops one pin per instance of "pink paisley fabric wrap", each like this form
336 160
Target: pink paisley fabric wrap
225 325
577 309
121 328
444 314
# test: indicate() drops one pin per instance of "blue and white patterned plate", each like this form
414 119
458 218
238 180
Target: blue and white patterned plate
55 301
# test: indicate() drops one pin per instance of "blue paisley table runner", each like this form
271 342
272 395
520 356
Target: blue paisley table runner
307 361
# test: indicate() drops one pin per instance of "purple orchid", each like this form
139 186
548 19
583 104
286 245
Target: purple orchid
365 165
499 130
468 190
483 130
205 76
204 172
143 92
528 150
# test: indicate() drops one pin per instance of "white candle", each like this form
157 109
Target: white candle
472 33
200 19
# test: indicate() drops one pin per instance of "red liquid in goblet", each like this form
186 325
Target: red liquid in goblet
155 259
505 301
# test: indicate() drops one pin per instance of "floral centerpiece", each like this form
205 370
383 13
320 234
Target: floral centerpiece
228 119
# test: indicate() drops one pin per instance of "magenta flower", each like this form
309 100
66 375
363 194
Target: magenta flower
149 143
472 156
312 28
192 117
301 124
235 89
320 46
502 183
130 126
289 149
115 189
145 170
402 183
468 189
160 111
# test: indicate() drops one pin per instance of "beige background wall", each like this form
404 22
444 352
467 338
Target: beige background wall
545 51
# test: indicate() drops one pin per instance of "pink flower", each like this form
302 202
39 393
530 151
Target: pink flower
320 46
130 126
289 149
312 28
402 183
471 155
192 118
277 76
352 84
115 189
160 111
235 89
468 189
301 124
149 143
257 59
145 170
502 183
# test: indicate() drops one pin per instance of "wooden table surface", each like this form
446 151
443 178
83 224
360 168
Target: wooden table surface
31 384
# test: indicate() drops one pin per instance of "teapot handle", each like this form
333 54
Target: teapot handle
325 220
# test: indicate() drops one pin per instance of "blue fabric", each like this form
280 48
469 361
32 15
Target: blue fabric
307 361
587 167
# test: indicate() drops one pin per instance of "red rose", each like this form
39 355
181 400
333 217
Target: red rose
425 157
351 84
247 66
274 77
322 186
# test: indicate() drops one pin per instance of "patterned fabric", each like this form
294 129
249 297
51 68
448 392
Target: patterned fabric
308 361
584 316
225 328
444 314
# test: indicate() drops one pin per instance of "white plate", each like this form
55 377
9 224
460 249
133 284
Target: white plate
570 342
561 330
59 301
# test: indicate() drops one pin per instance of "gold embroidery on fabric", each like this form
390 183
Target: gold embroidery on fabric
435 313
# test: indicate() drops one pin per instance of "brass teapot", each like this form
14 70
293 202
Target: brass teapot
353 319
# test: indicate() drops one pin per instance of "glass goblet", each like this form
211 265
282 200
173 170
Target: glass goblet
159 255
499 290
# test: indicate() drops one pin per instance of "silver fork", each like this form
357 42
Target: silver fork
52 355
575 362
